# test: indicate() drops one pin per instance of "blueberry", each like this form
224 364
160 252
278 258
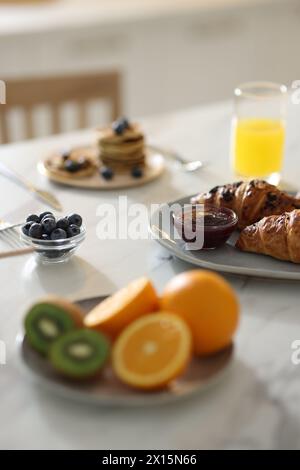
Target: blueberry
48 217
52 254
26 227
55 254
137 172
75 219
126 123
44 214
58 234
62 223
35 230
106 172
45 236
83 162
72 166
65 156
120 126
73 230
117 128
48 225
33 218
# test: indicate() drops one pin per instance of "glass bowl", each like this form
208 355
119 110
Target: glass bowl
54 251
205 226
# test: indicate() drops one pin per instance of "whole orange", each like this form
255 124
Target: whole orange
208 304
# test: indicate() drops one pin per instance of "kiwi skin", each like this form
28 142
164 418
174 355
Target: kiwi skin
71 310
75 312
73 374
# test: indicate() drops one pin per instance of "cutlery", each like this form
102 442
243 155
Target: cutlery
44 196
6 226
185 165
19 252
9 236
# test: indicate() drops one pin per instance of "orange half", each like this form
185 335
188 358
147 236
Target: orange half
116 312
152 351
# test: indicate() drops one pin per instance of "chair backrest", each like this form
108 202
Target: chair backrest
55 91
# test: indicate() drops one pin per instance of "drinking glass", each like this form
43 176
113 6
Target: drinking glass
258 130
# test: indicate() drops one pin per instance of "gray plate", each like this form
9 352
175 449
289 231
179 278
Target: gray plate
108 390
225 258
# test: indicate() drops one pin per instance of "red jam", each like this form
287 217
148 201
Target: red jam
205 227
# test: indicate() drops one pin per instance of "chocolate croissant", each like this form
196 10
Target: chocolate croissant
277 236
251 201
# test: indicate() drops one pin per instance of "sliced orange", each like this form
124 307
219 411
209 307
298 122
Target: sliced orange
152 351
116 312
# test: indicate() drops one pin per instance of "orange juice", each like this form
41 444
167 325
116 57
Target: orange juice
258 146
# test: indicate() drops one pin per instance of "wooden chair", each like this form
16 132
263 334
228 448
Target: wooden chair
29 93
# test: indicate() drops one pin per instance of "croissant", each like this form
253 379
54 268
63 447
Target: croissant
277 236
251 201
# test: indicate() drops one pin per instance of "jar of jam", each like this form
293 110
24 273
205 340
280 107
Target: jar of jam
204 226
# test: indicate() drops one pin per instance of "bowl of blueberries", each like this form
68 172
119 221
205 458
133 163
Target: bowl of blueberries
54 240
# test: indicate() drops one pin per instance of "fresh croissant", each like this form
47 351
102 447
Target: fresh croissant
251 201
277 236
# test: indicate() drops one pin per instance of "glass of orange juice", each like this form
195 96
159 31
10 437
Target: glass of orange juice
258 130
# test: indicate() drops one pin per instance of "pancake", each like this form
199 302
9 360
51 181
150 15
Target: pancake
56 164
122 150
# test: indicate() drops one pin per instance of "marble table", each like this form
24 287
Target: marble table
255 406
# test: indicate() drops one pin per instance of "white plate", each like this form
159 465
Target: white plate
108 390
153 168
225 258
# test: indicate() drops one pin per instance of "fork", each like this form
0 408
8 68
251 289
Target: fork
10 236
186 165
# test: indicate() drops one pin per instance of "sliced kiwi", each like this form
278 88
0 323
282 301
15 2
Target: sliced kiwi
48 320
79 354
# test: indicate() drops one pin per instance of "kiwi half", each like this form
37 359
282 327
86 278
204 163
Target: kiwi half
48 319
79 354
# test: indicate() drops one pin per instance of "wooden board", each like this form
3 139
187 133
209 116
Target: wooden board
154 166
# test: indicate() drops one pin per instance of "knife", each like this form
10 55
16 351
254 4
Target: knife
44 196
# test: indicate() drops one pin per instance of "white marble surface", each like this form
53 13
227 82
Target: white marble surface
255 406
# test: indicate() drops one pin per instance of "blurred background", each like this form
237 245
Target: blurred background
163 55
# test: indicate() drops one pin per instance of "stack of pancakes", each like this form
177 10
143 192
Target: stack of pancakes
122 151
